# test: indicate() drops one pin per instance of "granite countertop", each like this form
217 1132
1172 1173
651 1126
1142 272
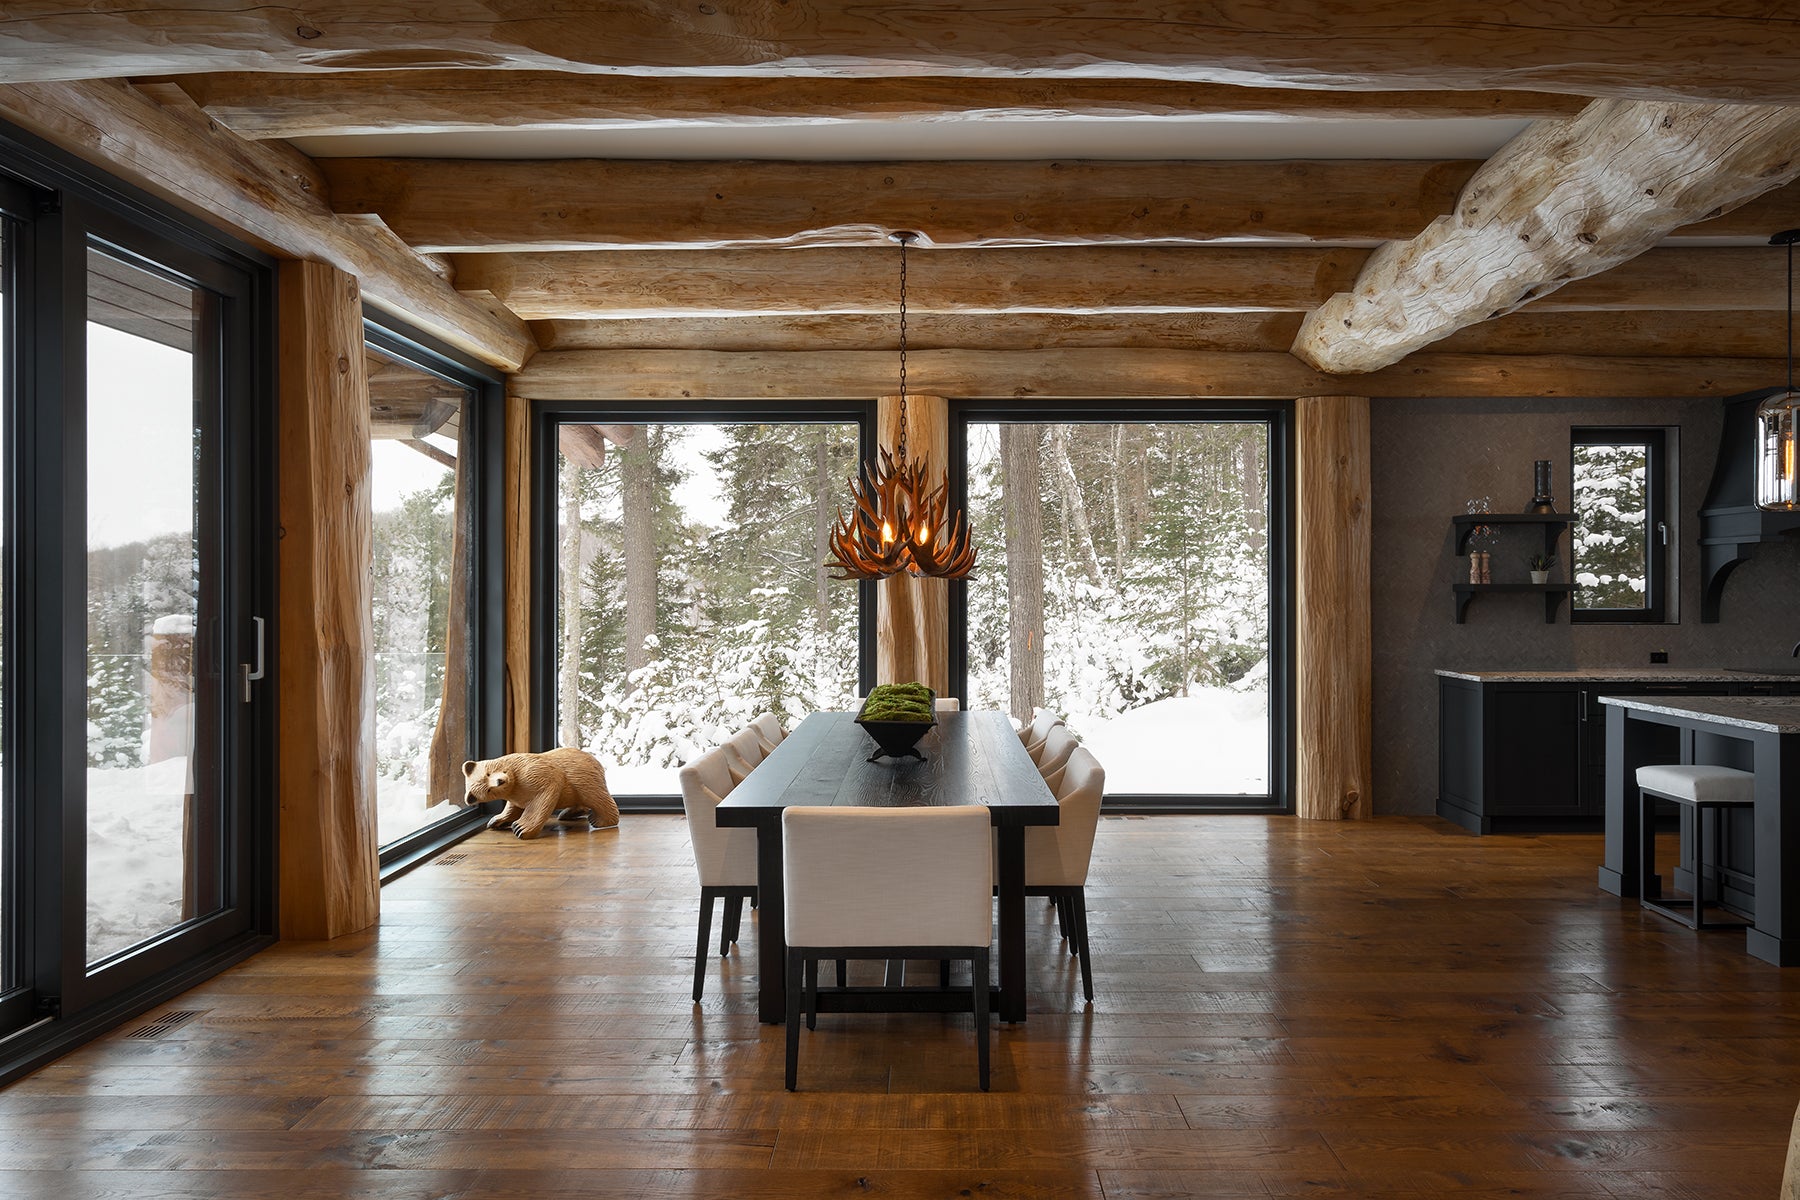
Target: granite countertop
1647 674
1769 714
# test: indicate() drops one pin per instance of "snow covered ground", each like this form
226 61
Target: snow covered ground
135 818
1212 742
400 809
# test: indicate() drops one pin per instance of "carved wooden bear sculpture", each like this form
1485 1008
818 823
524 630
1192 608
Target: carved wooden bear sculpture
566 783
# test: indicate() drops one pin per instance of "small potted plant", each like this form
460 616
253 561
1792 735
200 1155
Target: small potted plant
1540 565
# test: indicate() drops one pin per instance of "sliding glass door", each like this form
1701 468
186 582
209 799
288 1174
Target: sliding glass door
134 607
1132 581
154 795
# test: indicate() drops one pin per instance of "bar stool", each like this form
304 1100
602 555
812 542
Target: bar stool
1702 789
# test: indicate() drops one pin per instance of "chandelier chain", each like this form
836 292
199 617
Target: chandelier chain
901 446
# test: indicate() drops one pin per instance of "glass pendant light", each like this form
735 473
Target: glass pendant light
1777 472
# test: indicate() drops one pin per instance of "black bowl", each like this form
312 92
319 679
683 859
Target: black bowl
896 739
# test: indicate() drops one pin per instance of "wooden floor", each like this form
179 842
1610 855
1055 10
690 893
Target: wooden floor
1390 1008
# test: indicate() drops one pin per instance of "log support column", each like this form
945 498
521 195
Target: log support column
330 877
912 624
1335 667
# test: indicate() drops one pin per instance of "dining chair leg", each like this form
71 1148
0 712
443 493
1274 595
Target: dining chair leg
793 1017
728 929
706 913
812 992
1078 909
978 976
1062 915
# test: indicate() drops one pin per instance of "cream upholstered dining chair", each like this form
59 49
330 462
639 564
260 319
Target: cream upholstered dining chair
947 704
1033 735
724 858
1059 743
743 750
886 883
768 729
1057 856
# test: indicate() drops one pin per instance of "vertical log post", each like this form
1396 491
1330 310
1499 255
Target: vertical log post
912 624
450 737
330 878
1335 683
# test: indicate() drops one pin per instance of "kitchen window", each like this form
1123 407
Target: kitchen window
1619 543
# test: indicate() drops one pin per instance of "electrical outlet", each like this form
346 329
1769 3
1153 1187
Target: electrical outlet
1659 656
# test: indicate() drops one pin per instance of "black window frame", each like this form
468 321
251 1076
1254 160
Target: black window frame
402 342
61 207
1279 416
1659 585
546 418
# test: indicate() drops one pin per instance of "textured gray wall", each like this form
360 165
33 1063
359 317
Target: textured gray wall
1430 458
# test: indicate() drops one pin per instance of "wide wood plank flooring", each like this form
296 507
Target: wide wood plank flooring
1382 1009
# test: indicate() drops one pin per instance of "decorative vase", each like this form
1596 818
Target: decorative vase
1541 500
1540 577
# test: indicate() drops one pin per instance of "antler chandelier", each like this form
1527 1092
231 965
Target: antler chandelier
900 522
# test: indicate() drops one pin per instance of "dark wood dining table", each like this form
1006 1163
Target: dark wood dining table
969 758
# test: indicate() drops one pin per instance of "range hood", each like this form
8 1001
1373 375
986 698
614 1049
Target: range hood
1731 525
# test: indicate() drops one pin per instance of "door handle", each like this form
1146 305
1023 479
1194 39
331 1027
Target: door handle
251 675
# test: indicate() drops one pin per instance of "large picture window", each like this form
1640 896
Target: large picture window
436 637
1131 582
690 589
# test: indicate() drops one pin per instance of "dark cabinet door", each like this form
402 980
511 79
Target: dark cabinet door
1532 744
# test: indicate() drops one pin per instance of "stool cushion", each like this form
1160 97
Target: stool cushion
1698 784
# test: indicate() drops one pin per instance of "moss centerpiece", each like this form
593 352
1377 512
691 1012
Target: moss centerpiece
897 715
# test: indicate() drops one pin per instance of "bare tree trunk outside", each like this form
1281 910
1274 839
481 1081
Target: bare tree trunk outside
1021 488
1121 509
450 739
637 476
1080 532
568 704
822 519
1250 448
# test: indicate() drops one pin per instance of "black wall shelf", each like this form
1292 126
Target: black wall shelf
1552 524
1553 594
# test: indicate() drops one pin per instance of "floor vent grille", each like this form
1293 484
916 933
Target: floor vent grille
167 1023
448 860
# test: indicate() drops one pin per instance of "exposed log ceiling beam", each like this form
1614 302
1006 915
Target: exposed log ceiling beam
469 205
634 283
443 205
683 374
260 105
1728 334
264 193
1562 201
1076 279
1580 46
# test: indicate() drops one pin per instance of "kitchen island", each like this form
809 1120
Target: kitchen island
1524 750
1758 856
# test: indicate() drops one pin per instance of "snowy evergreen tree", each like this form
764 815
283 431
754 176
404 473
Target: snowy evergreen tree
1608 539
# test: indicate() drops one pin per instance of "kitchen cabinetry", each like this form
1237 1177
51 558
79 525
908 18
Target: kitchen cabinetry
1527 751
